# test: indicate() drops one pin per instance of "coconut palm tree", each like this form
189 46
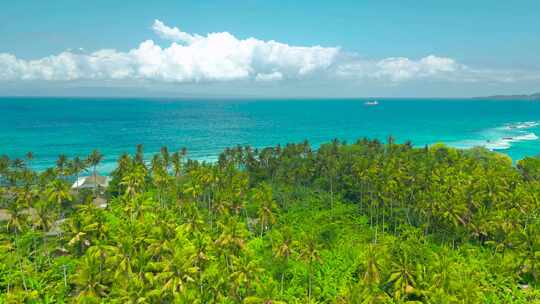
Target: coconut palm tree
176 271
183 152
93 160
283 248
176 160
17 220
165 156
245 272
76 167
58 192
309 253
29 158
267 206
61 163
90 283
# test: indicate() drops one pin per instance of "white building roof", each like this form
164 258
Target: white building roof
90 182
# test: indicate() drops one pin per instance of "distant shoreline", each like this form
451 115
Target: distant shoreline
531 97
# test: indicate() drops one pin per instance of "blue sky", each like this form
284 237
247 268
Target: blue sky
493 47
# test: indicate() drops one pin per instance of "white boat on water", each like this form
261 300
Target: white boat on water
371 103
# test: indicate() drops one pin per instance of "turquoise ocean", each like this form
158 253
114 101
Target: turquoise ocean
75 126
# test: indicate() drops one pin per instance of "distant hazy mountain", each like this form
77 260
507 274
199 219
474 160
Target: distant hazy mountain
535 96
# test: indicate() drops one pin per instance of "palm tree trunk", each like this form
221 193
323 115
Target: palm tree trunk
65 276
95 181
309 283
20 262
77 183
331 194
282 277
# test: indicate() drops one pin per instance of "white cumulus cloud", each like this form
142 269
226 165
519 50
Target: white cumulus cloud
269 76
224 57
189 58
399 69
173 34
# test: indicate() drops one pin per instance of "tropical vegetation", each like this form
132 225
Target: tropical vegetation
368 222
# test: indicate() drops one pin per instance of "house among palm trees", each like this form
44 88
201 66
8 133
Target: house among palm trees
4 215
56 228
91 182
100 202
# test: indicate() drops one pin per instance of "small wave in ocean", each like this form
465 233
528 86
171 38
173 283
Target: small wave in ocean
506 142
502 138
521 125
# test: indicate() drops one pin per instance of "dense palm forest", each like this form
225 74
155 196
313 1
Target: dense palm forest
348 223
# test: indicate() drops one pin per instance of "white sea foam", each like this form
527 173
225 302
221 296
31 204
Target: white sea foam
521 125
488 144
208 159
501 138
500 144
507 141
528 136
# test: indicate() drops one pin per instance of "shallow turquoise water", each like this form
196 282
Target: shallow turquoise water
75 126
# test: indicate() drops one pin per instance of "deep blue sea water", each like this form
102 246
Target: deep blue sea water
75 126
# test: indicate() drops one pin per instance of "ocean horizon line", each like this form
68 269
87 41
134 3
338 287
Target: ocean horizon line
209 98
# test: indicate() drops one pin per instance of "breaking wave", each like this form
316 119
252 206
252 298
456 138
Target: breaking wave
521 125
502 138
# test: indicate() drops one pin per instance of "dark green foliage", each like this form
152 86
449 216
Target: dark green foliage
361 223
530 167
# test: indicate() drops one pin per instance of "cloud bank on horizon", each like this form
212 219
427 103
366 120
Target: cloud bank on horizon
221 57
